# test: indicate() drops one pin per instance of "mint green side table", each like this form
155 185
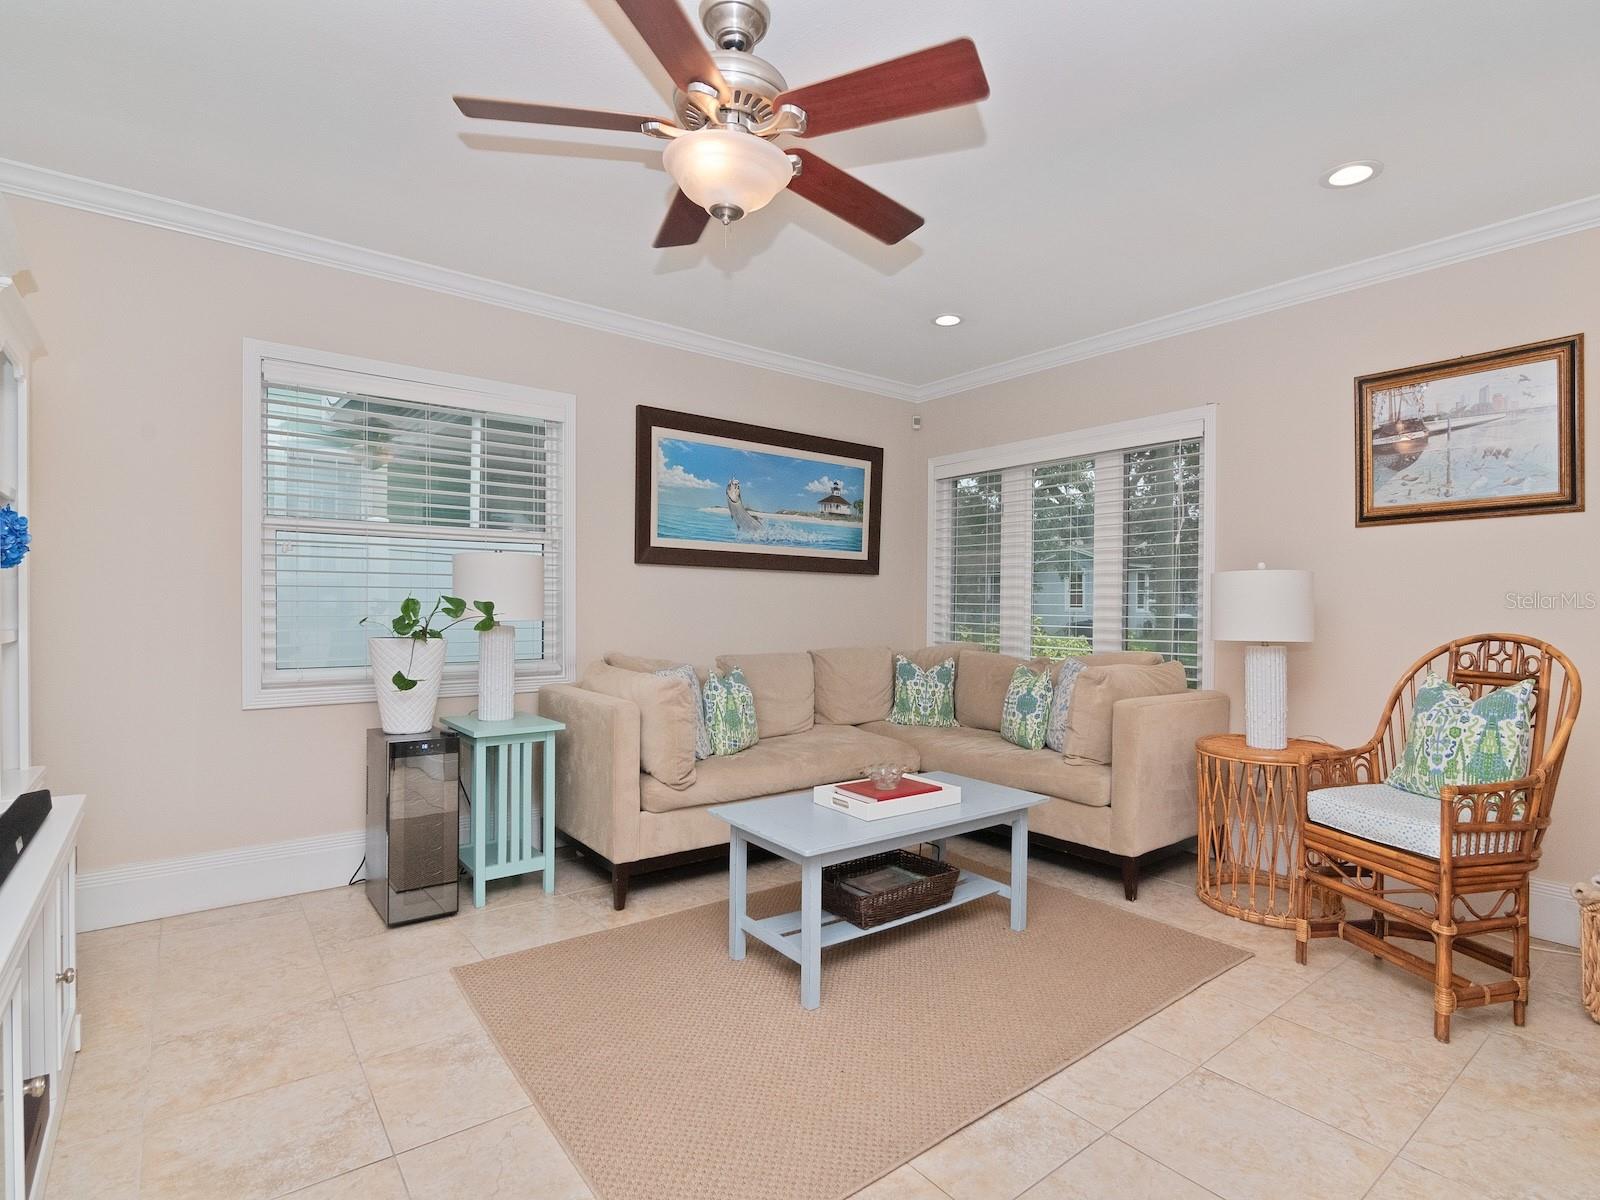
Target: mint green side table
502 798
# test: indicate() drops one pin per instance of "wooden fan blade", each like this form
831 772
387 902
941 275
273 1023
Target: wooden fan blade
685 222
666 30
939 77
845 196
549 114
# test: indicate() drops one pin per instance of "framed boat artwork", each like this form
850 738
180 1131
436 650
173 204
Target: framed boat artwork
1488 435
715 493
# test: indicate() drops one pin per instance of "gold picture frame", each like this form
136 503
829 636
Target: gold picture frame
1498 434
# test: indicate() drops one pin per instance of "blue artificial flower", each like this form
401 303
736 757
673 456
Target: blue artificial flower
14 536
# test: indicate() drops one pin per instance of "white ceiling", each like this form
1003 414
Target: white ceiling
1134 160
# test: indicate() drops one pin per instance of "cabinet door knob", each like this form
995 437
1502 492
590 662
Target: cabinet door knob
70 975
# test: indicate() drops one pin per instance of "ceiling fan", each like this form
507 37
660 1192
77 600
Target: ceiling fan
730 106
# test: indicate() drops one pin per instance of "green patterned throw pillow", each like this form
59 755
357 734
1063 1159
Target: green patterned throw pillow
1456 740
1025 715
924 697
730 712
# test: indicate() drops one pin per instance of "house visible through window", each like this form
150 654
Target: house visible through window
1056 554
366 485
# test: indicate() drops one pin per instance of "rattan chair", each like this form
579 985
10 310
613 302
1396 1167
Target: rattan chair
1476 880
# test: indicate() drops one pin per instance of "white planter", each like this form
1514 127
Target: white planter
409 711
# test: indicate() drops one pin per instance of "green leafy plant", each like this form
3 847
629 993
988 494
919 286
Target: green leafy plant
412 624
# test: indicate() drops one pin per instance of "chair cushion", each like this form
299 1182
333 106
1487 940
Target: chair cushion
984 754
1391 816
730 713
855 684
924 695
1095 693
1455 739
1026 710
784 689
823 754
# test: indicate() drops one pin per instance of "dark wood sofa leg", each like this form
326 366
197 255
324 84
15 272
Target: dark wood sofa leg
619 886
1130 879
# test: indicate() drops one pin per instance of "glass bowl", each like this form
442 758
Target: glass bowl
885 776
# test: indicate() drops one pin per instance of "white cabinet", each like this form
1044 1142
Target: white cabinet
39 1027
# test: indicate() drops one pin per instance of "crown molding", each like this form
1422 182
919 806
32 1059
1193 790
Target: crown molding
1540 226
38 183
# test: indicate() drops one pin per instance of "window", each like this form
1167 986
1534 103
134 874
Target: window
361 482
1099 540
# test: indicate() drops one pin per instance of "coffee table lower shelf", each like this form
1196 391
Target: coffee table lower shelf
782 933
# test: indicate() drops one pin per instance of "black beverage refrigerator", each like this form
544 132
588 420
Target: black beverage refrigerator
412 825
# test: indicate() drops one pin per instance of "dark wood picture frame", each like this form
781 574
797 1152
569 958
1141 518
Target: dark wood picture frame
1402 437
650 420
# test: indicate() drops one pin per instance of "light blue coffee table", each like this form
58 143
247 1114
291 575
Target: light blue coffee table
792 826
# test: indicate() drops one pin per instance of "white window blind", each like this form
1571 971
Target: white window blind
367 486
1068 553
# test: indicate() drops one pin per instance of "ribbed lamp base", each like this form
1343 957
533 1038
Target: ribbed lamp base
1266 697
497 674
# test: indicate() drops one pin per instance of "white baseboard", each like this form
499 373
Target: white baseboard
1553 911
172 886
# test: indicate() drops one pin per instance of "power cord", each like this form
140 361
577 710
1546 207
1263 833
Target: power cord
357 871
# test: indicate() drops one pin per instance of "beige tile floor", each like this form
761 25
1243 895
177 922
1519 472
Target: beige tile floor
297 1048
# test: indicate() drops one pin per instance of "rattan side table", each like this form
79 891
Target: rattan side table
1250 801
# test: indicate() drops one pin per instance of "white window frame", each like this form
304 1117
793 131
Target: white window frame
1198 422
353 685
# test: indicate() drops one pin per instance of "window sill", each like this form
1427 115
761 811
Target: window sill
310 695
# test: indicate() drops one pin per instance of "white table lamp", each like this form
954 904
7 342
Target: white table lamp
514 582
1265 608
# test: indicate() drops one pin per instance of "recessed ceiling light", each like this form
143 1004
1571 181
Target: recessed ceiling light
1351 173
945 320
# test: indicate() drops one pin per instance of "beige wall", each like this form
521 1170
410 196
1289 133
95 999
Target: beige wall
136 512
1285 485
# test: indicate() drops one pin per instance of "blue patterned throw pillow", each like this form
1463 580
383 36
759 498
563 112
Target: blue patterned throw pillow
924 697
730 712
1026 711
702 735
1456 740
1055 734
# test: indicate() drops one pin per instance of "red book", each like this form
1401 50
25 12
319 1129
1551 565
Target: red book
867 790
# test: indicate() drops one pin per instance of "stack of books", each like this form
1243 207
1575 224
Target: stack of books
861 798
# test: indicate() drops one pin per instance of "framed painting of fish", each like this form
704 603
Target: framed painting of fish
717 493
1488 435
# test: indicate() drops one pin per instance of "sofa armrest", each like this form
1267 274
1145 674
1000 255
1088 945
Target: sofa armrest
597 769
1153 766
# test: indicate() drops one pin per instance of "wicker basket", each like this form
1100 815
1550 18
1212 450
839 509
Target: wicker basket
1589 948
937 885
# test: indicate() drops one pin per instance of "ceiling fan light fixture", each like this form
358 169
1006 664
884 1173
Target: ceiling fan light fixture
727 172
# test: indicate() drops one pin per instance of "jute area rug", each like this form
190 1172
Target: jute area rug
670 1072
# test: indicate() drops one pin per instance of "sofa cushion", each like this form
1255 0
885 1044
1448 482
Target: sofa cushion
822 754
730 713
639 662
932 656
1026 710
784 688
855 684
982 677
1097 690
666 719
1121 658
984 754
702 735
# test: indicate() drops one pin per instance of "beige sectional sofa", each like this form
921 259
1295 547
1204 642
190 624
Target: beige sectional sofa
630 793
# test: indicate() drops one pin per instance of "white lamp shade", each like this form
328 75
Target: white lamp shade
512 580
726 166
1261 606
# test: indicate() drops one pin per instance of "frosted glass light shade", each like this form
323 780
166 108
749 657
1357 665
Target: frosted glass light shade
513 580
1261 606
728 167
